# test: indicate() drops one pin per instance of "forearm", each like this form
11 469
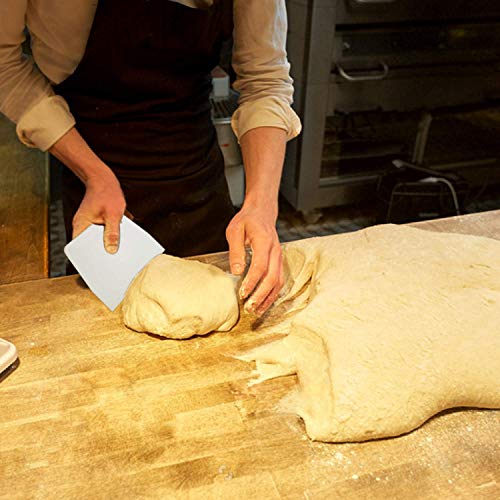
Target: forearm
76 154
263 150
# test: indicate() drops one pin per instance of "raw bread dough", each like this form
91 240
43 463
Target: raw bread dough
179 298
397 324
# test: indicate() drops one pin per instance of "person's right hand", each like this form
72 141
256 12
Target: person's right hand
103 203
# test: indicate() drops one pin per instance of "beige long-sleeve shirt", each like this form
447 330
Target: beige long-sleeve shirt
59 32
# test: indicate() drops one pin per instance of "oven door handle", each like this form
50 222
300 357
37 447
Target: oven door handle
367 77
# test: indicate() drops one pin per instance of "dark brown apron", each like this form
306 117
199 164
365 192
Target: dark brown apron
140 97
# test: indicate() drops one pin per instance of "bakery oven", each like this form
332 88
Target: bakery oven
384 80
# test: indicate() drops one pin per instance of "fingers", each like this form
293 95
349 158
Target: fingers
269 287
264 279
235 235
104 204
111 229
261 249
270 282
112 233
273 294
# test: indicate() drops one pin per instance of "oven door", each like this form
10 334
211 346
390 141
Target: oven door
387 11
401 68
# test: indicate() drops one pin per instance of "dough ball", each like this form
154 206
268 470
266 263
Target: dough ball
179 298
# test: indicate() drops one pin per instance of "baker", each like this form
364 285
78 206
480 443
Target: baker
120 95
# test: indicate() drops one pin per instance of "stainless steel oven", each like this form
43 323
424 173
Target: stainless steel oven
386 63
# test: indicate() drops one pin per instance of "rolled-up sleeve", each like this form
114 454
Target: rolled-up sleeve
262 69
26 95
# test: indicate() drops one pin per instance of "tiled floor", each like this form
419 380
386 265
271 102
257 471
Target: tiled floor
292 225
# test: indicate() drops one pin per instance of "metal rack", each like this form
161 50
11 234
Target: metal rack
353 56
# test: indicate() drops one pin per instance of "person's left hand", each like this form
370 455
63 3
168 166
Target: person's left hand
256 227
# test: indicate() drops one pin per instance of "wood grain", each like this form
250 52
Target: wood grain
98 411
24 194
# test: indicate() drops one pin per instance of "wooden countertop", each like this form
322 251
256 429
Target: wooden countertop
24 205
98 411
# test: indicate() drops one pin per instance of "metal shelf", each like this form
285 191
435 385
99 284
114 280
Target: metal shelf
312 46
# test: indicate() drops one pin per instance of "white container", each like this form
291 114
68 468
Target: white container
221 86
222 110
235 176
233 161
228 142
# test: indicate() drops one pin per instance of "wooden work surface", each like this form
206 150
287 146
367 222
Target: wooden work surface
24 201
98 411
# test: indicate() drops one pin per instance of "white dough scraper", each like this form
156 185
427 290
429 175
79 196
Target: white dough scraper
109 275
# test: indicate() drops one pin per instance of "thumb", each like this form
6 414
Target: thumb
237 256
112 234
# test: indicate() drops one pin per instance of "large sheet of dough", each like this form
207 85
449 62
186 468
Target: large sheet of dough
400 324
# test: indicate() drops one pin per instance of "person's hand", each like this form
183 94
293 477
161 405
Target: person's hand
255 226
103 203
